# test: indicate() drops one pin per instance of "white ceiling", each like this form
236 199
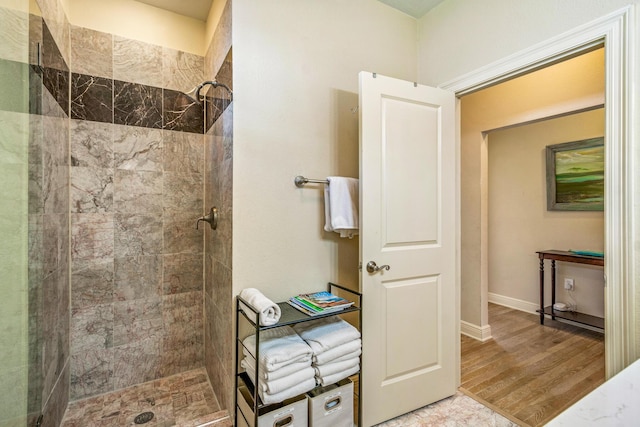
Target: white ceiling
199 9
415 8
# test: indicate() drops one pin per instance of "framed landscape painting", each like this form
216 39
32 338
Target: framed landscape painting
575 175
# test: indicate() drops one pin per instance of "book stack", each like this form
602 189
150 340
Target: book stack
319 303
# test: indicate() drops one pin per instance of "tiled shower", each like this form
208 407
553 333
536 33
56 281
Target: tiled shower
114 285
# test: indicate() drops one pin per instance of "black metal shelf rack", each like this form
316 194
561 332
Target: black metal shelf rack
289 316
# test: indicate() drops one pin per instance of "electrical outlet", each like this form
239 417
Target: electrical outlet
568 284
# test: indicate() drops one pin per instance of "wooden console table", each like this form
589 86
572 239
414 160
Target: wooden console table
581 318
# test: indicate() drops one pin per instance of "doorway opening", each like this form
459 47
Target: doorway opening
614 31
504 132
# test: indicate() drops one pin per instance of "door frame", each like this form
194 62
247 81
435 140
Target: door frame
615 30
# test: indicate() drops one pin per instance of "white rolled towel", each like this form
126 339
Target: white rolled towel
337 352
327 333
278 347
268 311
334 378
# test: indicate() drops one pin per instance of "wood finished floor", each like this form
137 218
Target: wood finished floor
529 372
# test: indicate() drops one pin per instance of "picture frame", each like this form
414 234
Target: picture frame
575 175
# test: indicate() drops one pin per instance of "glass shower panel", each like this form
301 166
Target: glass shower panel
14 201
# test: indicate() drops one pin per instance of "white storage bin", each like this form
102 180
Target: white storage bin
332 406
290 413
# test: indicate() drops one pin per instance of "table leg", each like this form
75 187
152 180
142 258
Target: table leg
553 286
541 290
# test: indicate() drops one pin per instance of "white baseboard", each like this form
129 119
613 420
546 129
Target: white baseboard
483 333
516 304
530 307
480 333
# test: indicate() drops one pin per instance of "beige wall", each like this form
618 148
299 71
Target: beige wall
519 223
139 21
460 36
548 92
295 82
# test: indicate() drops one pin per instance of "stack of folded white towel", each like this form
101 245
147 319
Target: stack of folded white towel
336 347
284 364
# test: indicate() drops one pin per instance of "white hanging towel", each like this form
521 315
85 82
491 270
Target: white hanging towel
341 199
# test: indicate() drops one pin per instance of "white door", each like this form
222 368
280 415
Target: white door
407 217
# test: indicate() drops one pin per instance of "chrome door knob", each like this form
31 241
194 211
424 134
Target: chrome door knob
372 267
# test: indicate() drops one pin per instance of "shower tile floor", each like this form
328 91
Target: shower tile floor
184 400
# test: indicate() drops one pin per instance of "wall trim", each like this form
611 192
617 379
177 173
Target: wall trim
615 30
480 333
530 307
516 304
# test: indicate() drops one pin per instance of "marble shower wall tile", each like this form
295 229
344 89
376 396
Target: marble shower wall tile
92 283
182 192
180 234
55 147
182 152
56 83
91 98
54 16
51 54
35 36
91 52
182 273
181 71
119 250
92 144
92 236
183 326
218 186
91 328
137 105
91 373
55 244
137 362
138 277
182 113
137 234
220 43
91 190
55 70
137 148
44 101
138 191
137 319
137 62
221 291
55 328
219 99
59 398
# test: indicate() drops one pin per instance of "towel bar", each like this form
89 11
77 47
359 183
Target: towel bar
300 181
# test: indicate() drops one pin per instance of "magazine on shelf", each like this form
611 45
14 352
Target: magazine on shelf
319 303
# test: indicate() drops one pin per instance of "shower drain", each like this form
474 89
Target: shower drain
143 418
